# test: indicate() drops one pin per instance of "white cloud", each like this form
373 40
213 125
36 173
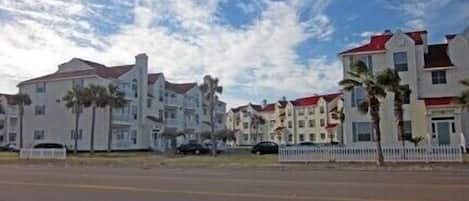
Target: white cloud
42 34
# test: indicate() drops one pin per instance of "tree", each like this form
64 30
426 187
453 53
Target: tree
95 97
21 100
360 76
74 99
464 97
210 88
115 99
256 121
391 81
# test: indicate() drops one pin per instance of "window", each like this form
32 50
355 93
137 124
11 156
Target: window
272 136
301 123
40 87
322 122
246 137
311 123
289 124
302 137
323 136
301 111
79 136
1 138
272 122
407 130
134 112
245 125
362 131
312 137
367 59
149 102
77 83
290 137
439 77
400 61
289 112
160 114
133 137
12 137
321 109
311 110
358 95
406 99
39 109
135 88
38 135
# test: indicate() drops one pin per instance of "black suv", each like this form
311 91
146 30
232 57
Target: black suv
265 148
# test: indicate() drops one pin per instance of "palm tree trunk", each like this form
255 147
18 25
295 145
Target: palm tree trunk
77 121
93 119
21 108
374 112
109 137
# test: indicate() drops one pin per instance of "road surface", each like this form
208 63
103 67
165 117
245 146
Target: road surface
47 183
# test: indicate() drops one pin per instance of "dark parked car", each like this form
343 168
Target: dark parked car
307 144
192 148
265 148
9 147
49 146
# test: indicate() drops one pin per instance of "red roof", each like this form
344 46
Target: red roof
378 42
331 125
268 108
331 97
279 128
180 88
312 100
437 101
112 72
437 56
153 77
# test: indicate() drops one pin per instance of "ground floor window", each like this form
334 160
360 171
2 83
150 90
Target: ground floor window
79 136
39 135
302 137
290 137
1 138
362 131
12 137
323 136
312 137
133 137
407 130
246 137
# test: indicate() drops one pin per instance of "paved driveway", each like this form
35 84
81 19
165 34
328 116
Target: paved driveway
47 183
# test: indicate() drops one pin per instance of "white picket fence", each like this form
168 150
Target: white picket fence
441 153
54 154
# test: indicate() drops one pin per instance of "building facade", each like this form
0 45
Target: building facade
159 113
9 121
431 71
309 119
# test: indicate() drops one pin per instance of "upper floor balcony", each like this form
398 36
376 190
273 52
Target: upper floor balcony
121 118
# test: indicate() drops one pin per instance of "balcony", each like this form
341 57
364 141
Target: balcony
121 118
172 101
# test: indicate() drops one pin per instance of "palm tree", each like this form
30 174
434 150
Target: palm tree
115 99
96 97
391 81
360 76
210 88
74 99
464 97
21 100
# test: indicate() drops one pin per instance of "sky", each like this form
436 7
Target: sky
259 49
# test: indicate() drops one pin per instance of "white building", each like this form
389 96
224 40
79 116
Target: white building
431 71
310 119
9 121
157 111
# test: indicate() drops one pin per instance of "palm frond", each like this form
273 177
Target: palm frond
363 107
465 82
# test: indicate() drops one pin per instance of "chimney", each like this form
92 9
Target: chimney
387 32
264 103
284 98
424 41
141 60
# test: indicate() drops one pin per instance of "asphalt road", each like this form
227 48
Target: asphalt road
44 183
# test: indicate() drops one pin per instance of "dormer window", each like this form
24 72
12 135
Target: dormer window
400 61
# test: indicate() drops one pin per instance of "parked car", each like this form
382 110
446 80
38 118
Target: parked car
9 147
265 148
192 148
220 146
49 146
307 144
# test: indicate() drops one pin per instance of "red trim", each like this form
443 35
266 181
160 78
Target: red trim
438 101
378 42
331 125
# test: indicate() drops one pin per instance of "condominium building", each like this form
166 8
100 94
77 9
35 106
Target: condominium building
159 113
9 120
309 119
431 71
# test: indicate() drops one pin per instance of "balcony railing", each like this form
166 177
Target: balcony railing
121 117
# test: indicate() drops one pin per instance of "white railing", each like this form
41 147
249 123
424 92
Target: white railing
55 154
438 153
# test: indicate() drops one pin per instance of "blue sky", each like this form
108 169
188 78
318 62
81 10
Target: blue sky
258 48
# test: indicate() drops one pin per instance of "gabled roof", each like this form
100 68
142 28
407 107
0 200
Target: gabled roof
331 97
100 70
312 100
437 56
9 98
439 101
180 88
153 77
378 42
90 63
268 108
